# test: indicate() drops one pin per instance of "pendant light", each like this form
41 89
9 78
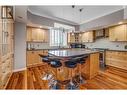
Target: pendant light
80 10
73 6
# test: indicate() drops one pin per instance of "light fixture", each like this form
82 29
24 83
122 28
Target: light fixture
80 10
73 6
72 32
80 34
40 26
120 22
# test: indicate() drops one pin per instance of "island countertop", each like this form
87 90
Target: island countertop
71 53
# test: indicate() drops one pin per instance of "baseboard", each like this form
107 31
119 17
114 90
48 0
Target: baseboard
17 70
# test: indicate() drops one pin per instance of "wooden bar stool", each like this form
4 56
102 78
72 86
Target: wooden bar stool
81 61
55 63
45 59
71 64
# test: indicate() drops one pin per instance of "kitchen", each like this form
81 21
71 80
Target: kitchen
46 52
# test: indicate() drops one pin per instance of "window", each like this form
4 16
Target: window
58 37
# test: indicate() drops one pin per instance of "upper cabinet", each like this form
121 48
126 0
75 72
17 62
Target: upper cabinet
37 35
74 38
118 33
88 36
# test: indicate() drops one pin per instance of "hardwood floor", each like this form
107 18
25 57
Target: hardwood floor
17 81
112 78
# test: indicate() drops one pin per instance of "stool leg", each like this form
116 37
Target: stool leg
80 75
72 85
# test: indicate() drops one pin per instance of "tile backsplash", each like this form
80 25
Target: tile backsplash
32 45
105 43
98 43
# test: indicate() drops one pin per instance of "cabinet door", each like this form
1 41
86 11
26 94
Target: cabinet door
118 33
121 33
46 36
85 37
30 58
90 36
94 64
29 34
40 35
72 38
34 34
37 35
68 37
112 34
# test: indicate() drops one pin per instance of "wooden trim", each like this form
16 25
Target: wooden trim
25 79
8 81
17 70
37 27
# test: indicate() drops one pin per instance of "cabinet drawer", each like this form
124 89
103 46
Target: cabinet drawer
118 64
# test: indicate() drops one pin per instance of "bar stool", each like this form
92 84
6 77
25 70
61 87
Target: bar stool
55 63
46 60
81 61
71 64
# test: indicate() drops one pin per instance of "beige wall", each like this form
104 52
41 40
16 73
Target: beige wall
20 46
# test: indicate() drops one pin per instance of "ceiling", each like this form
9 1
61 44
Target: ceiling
72 14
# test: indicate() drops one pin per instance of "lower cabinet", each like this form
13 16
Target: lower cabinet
91 66
117 59
33 57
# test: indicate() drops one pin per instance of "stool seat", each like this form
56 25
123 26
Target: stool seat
70 64
55 63
82 59
44 58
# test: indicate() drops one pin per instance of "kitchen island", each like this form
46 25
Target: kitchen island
89 69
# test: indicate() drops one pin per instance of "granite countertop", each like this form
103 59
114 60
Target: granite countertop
54 49
117 50
108 49
125 50
71 53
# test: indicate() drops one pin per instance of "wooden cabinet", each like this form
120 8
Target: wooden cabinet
6 47
37 34
33 57
91 66
74 38
88 36
118 33
117 59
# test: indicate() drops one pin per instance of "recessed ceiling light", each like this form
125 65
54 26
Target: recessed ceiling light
40 26
120 22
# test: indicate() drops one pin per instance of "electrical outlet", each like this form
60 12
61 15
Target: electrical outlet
125 46
117 45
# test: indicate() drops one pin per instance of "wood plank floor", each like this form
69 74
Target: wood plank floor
112 78
17 81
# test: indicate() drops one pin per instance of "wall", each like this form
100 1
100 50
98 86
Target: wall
103 21
125 12
36 19
105 43
20 46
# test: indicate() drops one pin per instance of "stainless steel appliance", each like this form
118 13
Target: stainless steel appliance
77 45
102 57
